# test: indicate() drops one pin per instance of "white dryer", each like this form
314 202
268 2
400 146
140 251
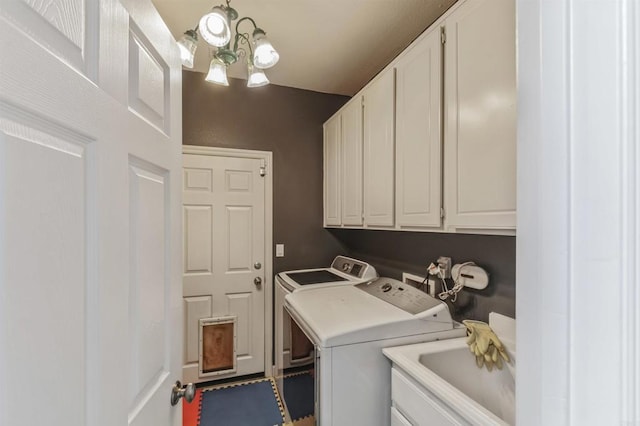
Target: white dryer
349 326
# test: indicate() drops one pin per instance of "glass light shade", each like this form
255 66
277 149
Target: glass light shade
217 73
187 45
264 55
257 77
214 27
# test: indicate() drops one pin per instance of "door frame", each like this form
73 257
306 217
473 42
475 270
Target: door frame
267 158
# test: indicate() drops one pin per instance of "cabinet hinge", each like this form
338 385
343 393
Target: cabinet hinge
441 212
443 36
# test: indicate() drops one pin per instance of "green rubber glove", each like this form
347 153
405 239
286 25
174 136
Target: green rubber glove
485 345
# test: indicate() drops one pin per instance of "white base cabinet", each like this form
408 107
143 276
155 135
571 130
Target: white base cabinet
416 406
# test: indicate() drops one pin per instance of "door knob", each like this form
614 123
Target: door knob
179 391
257 265
257 281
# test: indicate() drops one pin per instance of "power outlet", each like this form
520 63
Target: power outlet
444 263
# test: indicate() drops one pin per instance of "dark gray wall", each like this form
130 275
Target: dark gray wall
395 252
287 122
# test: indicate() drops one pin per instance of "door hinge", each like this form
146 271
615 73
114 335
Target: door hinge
263 169
443 36
441 212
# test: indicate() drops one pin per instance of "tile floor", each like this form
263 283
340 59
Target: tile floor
253 403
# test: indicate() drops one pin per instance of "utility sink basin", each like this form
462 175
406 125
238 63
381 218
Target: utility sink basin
448 371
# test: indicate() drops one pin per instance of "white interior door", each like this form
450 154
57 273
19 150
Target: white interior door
224 253
90 176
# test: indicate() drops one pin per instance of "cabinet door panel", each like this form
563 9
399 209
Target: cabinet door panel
480 108
379 150
397 419
351 177
419 134
332 172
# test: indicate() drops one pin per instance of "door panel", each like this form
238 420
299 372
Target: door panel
241 304
65 28
240 238
148 322
197 239
351 162
224 220
195 308
419 134
332 178
148 80
49 168
89 218
379 151
480 107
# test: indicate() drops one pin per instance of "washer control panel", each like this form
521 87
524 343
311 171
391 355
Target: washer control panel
353 267
400 295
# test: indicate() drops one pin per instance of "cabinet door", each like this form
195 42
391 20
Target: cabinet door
419 134
351 178
397 419
379 152
480 116
332 171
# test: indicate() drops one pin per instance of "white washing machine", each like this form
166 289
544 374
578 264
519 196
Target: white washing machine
349 326
292 349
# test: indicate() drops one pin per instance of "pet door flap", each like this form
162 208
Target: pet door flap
218 345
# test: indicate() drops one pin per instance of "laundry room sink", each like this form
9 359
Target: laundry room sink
446 373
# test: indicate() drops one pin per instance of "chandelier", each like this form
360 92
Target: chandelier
215 28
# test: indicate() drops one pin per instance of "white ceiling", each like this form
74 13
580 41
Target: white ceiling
330 46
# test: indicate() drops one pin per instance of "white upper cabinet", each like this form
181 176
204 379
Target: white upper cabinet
351 160
332 171
430 143
480 116
419 134
379 150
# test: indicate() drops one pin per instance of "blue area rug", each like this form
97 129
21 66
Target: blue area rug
252 404
298 395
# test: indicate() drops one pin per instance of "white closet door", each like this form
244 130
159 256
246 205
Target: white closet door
419 134
480 108
90 176
379 150
351 159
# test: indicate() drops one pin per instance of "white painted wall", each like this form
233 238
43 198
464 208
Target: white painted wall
578 212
